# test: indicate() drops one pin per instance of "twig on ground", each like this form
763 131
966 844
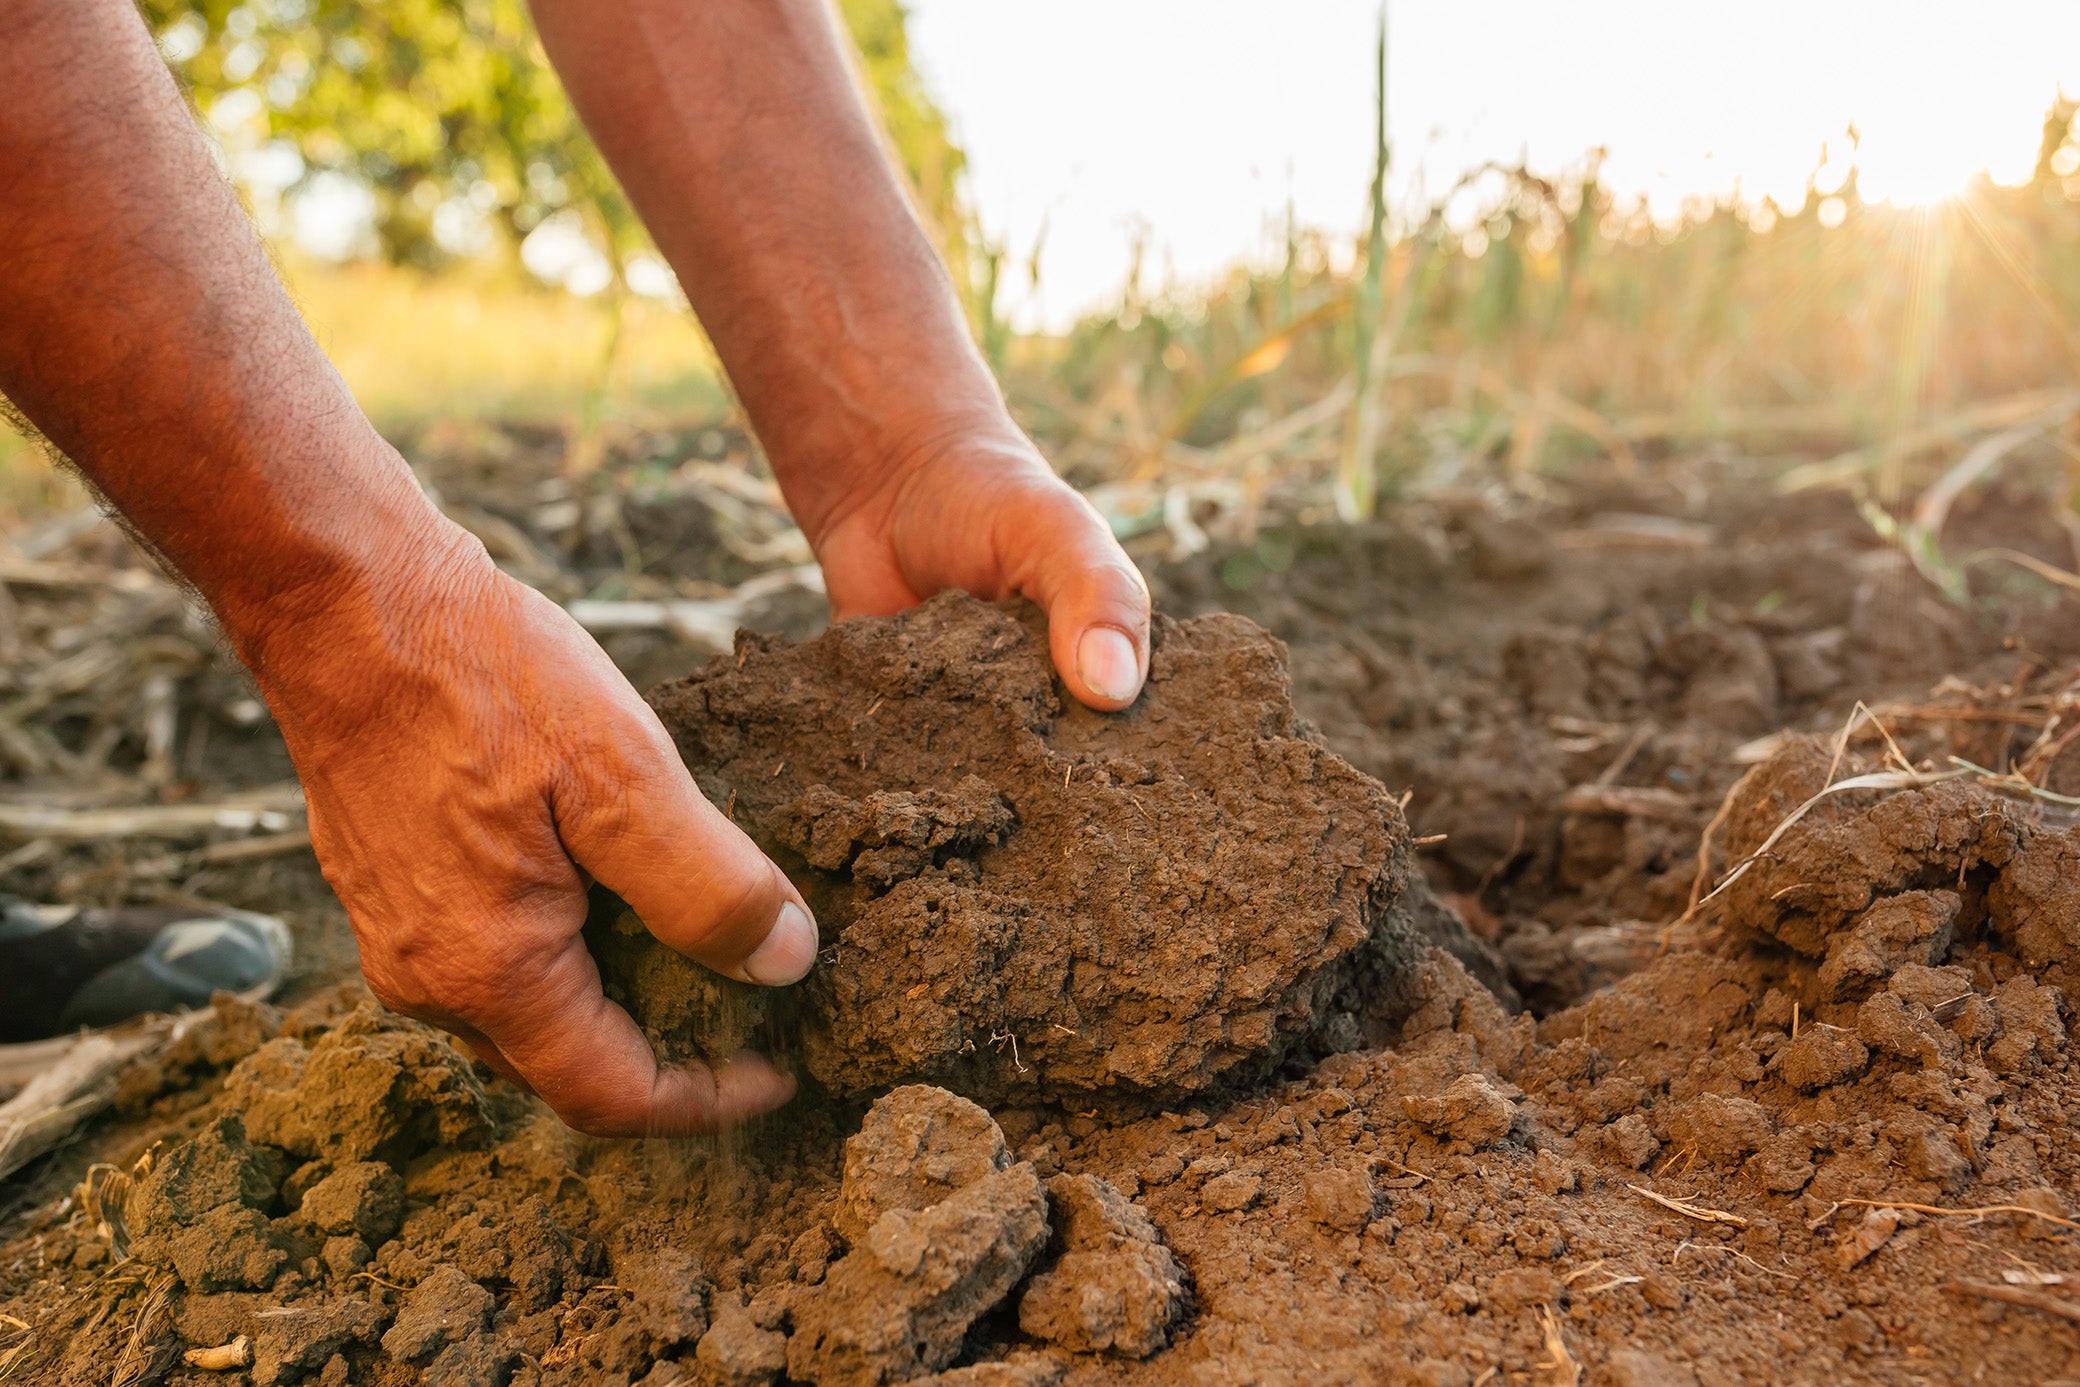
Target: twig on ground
1501 864
374 1279
141 1351
11 1356
1418 1175
998 1040
1610 1283
1704 845
2013 716
216 854
31 573
236 1354
1925 529
1980 1212
27 855
1628 801
78 1084
1559 1362
1623 759
2050 1304
706 623
2048 572
1625 531
274 809
1853 467
1689 1210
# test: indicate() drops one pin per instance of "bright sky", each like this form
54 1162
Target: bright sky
1199 118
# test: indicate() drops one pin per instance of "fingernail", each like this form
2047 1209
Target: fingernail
1106 660
788 952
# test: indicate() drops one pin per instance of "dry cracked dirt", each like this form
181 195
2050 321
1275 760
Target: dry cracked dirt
1162 1048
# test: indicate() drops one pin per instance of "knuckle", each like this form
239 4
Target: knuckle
742 900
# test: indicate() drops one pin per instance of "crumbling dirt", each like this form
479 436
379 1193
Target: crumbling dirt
1654 1182
1019 896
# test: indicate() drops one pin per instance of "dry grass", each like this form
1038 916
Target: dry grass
1688 1209
1539 325
1544 323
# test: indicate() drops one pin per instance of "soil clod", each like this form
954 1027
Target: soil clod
368 1088
1115 1287
446 1308
918 1145
1020 896
899 1304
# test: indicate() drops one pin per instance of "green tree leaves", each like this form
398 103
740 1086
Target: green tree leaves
451 104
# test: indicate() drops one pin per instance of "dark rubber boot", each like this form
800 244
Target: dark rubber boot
62 968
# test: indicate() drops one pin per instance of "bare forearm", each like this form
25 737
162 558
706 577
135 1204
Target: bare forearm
470 758
737 129
143 330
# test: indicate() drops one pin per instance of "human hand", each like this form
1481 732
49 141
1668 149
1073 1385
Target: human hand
977 508
470 758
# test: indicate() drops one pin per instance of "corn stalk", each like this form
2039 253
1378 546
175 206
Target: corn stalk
1357 475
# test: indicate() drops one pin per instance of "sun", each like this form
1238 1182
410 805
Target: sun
1917 152
1918 164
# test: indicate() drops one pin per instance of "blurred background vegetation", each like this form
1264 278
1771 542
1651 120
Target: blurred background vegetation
447 113
1526 321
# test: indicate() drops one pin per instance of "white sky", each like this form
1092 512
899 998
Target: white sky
1197 118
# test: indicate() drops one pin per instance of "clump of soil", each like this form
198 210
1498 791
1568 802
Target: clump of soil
923 1269
1020 896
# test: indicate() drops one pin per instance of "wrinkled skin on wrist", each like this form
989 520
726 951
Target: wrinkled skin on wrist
471 757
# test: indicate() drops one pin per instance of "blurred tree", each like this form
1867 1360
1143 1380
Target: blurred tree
449 114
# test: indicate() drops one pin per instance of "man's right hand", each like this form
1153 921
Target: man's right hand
471 758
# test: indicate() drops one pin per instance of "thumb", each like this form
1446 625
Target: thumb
636 821
1062 555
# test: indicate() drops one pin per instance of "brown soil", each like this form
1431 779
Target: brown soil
1649 1178
1021 897
1628 635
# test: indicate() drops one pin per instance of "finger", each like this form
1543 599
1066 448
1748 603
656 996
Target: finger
1060 552
636 821
588 1061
